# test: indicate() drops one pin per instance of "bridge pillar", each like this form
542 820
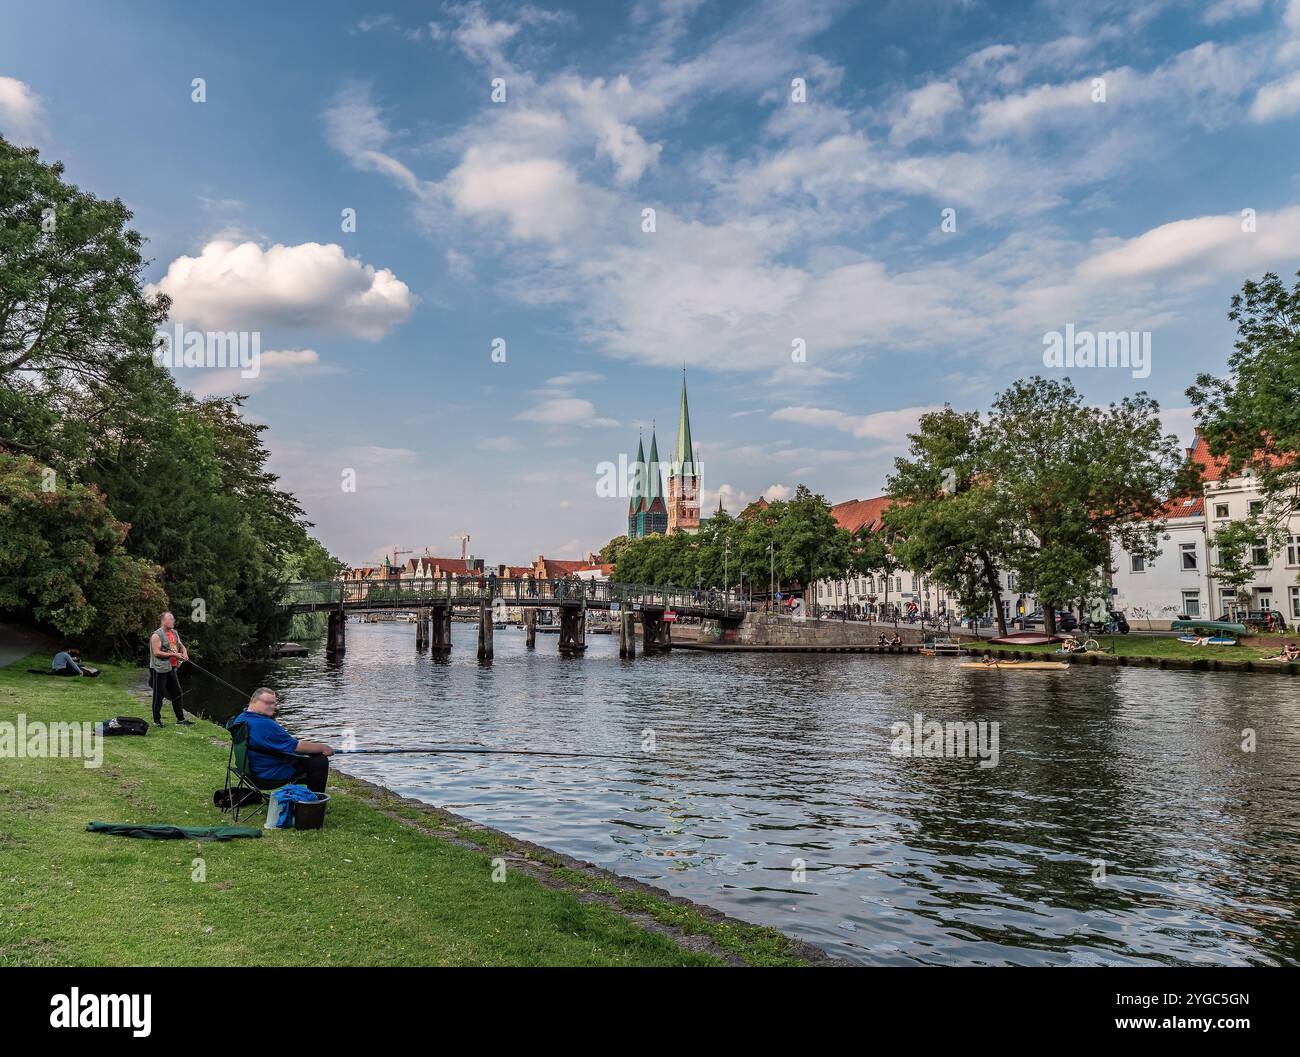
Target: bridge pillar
654 632
530 627
484 631
440 629
573 629
421 629
626 634
336 636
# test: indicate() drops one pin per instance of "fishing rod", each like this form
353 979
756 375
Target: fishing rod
476 750
247 696
487 752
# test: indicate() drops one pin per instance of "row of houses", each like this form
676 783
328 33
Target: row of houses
1179 583
429 567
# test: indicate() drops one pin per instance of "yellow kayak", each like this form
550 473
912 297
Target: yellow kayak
1033 666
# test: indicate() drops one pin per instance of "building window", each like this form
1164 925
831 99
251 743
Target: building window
1192 603
1295 601
1293 550
1189 556
1137 563
1259 554
1011 581
1221 511
1255 506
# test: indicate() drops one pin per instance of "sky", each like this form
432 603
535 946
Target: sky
476 243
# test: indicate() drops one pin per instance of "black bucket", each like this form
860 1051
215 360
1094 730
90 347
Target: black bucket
310 816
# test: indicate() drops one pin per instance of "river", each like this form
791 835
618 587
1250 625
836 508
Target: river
1123 824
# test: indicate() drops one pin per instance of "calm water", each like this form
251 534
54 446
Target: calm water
763 760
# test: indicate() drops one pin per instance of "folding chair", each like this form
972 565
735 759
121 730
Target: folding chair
243 789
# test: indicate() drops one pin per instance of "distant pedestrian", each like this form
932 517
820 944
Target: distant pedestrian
66 662
166 654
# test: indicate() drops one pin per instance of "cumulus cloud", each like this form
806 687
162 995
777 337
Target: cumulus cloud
1277 100
565 411
890 427
242 286
538 197
21 111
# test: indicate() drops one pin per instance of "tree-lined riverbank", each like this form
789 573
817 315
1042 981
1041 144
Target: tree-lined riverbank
386 882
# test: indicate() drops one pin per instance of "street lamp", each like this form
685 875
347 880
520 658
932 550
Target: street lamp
771 588
726 558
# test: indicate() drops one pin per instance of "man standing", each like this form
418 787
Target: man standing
270 746
166 652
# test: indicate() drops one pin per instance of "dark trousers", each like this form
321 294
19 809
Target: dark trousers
314 771
166 684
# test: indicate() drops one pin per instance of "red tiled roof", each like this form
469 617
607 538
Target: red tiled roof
857 514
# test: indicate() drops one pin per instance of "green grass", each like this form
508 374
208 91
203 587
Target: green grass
1160 646
368 889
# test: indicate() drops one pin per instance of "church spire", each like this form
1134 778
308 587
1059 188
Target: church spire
684 454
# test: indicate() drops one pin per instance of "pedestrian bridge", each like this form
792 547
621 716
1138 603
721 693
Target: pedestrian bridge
471 592
433 599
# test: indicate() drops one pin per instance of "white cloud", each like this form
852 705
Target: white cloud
1204 248
565 411
503 443
1277 100
21 111
241 286
924 111
538 197
890 427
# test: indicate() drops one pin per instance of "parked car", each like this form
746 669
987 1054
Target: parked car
1065 621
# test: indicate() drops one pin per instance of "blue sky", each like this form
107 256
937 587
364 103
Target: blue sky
776 220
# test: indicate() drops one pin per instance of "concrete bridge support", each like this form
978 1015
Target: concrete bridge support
655 633
627 634
484 631
439 634
530 627
336 636
573 629
421 629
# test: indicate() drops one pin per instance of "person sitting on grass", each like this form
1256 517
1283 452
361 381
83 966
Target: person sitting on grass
264 733
66 662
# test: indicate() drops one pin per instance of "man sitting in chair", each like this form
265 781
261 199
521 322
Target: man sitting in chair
264 733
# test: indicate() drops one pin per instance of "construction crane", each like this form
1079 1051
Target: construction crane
464 545
397 552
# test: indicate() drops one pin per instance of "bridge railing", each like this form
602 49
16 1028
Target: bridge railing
417 591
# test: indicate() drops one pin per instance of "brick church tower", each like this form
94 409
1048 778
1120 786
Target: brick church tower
683 475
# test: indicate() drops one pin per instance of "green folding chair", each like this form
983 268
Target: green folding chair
244 790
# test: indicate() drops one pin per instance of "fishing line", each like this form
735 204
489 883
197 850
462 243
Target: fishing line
247 696
485 751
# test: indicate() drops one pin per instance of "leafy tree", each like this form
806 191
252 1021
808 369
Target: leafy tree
63 564
1251 418
1073 480
946 519
1233 545
72 306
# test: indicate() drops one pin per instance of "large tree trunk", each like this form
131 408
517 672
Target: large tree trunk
995 589
1049 619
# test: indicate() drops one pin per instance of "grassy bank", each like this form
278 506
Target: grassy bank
386 882
1160 646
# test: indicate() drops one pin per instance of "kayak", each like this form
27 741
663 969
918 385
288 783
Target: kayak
1209 625
1033 666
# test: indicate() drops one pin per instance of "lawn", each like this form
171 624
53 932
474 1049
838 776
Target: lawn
1162 646
374 887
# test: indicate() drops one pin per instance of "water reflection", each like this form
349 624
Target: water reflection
766 762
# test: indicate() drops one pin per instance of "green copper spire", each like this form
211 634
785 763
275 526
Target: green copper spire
684 455
654 486
638 480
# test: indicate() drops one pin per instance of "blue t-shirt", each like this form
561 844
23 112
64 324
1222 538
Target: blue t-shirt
266 733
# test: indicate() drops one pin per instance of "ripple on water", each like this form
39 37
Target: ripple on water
773 794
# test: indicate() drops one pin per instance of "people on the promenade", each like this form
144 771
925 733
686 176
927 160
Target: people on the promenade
166 654
269 744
